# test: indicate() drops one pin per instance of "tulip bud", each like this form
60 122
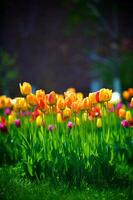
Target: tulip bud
99 123
69 125
131 104
66 112
39 121
128 115
17 122
51 127
59 118
7 111
77 121
84 117
11 119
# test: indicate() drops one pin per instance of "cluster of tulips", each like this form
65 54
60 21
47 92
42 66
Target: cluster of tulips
71 107
67 137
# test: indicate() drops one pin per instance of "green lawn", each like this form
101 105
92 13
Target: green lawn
14 187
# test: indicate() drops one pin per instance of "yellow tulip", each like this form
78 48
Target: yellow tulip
20 104
105 95
99 123
61 104
39 121
128 115
67 112
40 94
80 95
25 88
77 121
59 118
84 117
11 119
92 98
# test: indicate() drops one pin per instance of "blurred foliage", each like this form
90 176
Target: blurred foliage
126 70
80 11
8 71
123 70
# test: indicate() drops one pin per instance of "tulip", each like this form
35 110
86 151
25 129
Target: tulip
80 96
51 98
77 121
92 98
122 113
66 112
25 88
131 103
59 118
3 128
2 101
116 98
31 99
69 125
130 90
51 127
126 95
99 123
128 115
125 123
75 107
39 121
84 116
105 95
7 111
17 122
8 102
61 104
11 119
86 104
20 104
40 94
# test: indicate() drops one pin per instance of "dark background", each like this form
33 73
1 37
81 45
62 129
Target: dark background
58 44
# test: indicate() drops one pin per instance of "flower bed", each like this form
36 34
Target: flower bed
67 137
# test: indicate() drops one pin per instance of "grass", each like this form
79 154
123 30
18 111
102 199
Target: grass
14 186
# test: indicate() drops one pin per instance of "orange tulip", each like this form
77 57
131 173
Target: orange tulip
126 95
31 99
86 104
5 102
61 104
130 90
75 107
122 113
109 105
25 88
